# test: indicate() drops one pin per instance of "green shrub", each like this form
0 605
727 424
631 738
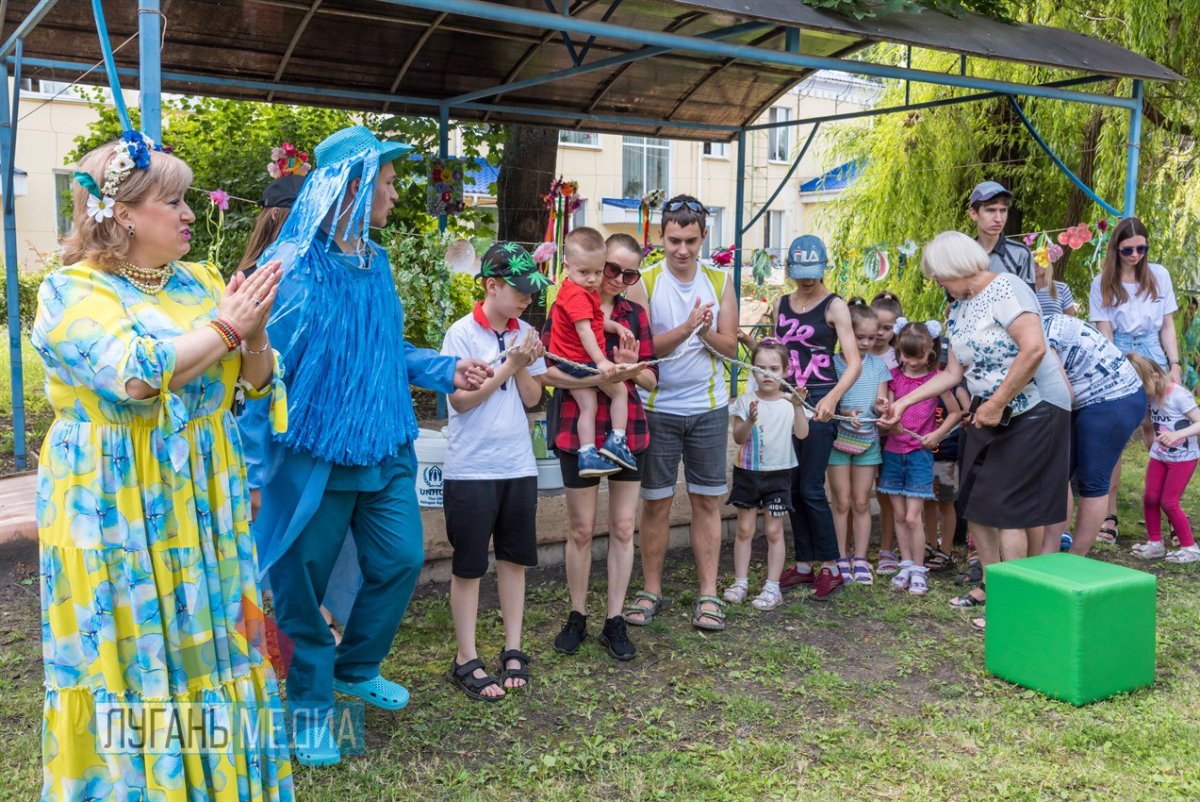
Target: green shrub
27 291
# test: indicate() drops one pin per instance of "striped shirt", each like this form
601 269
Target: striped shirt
1055 306
862 394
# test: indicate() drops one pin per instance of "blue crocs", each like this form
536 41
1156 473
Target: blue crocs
617 450
592 464
380 692
315 745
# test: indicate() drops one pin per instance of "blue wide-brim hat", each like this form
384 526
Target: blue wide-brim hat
353 143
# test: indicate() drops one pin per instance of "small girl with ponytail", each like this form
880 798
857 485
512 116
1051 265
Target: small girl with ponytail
907 474
888 310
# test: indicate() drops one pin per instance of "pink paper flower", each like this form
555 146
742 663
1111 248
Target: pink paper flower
276 154
723 257
274 171
1030 239
543 252
220 199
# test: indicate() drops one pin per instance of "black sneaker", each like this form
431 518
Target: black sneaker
615 638
574 632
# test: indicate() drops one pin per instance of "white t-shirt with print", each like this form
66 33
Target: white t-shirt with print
1096 368
1140 314
490 441
768 447
1171 415
978 331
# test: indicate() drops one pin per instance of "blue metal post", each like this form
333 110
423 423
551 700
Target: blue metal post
791 40
443 148
8 146
149 34
1133 150
739 217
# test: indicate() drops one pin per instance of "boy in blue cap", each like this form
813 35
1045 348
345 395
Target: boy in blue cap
988 206
346 461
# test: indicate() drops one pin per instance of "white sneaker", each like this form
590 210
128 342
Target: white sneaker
736 593
1188 554
1150 550
769 599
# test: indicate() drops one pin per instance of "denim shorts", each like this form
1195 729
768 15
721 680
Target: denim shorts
908 474
872 456
702 441
1148 345
578 373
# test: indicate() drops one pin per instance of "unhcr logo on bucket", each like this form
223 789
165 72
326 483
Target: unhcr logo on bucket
431 456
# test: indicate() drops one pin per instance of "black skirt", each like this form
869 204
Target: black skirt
1015 476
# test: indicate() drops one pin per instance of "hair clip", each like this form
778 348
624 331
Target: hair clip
901 322
934 327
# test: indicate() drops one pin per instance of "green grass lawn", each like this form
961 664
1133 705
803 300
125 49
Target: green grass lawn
875 695
38 415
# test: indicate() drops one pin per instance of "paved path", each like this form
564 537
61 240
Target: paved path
17 517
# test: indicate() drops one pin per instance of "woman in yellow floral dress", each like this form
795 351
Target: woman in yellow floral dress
158 685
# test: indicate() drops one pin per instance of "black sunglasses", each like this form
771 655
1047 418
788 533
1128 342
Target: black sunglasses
1130 250
628 277
676 205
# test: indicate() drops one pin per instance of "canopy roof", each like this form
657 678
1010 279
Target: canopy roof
410 56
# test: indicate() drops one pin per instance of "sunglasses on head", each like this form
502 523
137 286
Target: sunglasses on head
676 205
613 270
1130 250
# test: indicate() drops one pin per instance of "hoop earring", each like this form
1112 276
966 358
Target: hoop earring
129 228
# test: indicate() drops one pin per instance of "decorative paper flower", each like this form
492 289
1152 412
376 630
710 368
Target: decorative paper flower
274 171
220 199
1075 236
1030 239
908 248
723 256
1054 252
276 154
100 209
122 164
1102 225
544 252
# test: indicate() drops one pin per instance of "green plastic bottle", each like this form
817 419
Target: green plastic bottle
539 439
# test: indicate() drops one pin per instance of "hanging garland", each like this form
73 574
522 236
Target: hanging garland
650 201
562 201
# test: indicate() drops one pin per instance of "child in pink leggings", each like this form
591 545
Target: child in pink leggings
1173 456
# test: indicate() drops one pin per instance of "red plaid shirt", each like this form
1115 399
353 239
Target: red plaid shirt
562 412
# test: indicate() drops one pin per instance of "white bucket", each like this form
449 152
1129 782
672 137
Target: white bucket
431 458
549 473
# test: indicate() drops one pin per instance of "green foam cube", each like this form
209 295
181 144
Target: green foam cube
1074 629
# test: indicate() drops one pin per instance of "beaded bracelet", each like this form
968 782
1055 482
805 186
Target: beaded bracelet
229 334
250 350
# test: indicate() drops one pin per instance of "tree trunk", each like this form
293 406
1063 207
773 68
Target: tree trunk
1077 202
526 170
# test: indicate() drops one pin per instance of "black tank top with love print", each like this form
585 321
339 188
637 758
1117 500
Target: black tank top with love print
810 341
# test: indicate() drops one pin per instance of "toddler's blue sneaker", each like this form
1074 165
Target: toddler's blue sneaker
617 450
1064 543
591 463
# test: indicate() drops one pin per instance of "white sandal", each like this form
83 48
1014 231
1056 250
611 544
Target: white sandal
1150 550
736 594
1187 554
916 582
767 600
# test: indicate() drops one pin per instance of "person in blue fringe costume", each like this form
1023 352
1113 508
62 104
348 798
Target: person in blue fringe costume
347 459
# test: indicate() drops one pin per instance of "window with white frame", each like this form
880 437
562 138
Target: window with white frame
645 165
779 140
63 204
773 234
716 233
579 218
585 139
718 150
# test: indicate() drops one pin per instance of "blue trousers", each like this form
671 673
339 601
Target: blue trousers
813 534
386 527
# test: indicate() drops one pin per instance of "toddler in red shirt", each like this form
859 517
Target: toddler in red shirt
577 332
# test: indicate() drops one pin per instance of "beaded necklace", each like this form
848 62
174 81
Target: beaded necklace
150 280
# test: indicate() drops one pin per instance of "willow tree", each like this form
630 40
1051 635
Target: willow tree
921 165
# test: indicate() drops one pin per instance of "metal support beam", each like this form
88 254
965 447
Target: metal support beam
1133 150
443 149
739 216
928 104
382 97
791 40
28 24
783 183
295 40
8 146
596 66
110 64
587 46
907 66
150 67
519 15
566 36
1059 163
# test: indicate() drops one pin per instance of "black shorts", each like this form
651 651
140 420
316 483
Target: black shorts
570 473
578 373
757 490
501 510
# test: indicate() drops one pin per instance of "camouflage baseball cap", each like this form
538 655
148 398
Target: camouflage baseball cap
511 262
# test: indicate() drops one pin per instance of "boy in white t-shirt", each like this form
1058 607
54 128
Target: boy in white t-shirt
490 476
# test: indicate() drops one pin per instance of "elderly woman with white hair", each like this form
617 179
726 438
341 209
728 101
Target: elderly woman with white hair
1016 446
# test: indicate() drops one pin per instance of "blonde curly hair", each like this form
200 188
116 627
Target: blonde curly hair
106 243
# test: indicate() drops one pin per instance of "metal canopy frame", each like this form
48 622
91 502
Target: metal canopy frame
567 19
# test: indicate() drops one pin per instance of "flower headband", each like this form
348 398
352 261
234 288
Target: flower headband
131 153
287 159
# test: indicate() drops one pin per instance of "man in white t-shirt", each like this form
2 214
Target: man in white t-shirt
688 412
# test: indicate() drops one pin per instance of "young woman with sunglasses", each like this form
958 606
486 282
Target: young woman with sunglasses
623 257
1132 302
